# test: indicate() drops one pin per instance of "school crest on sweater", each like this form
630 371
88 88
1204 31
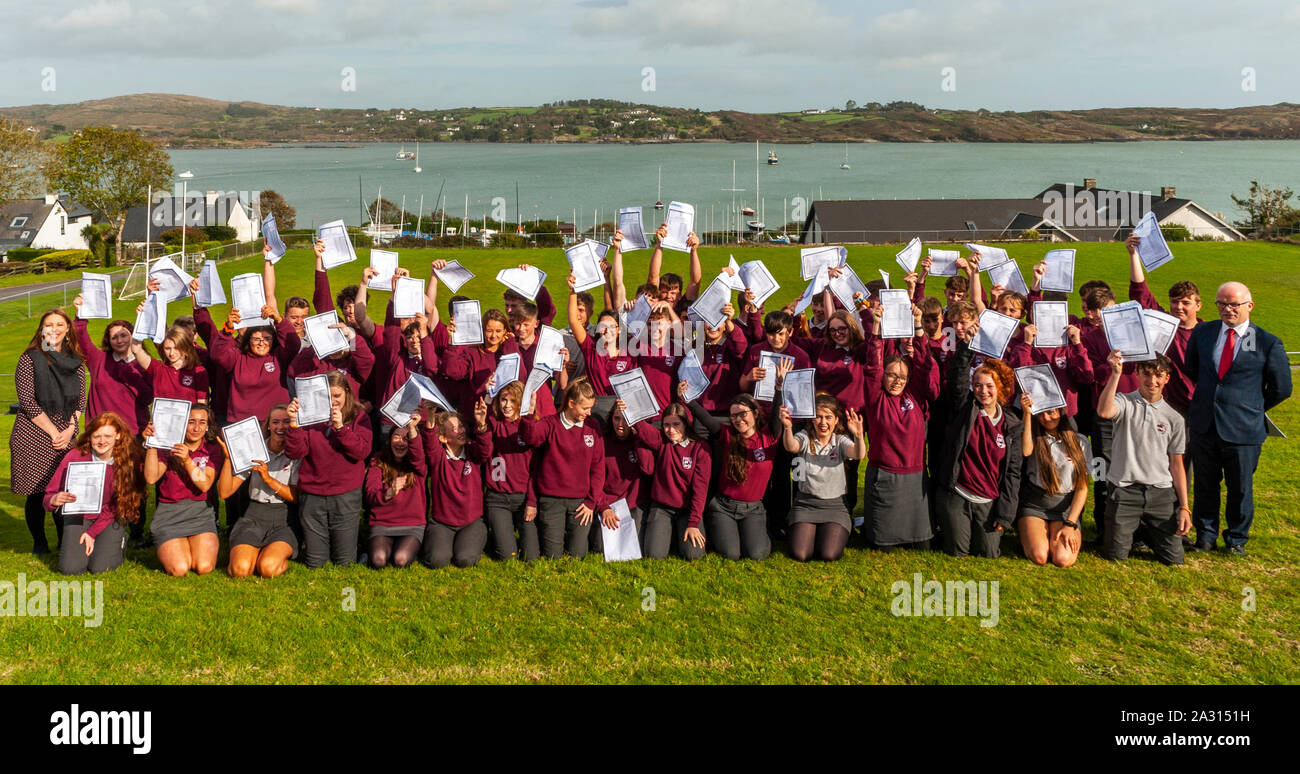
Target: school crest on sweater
1060 361
620 366
760 455
589 439
187 380
906 404
1000 441
687 463
269 366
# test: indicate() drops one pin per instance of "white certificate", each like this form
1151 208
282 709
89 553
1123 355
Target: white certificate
1039 383
549 343
733 280
765 388
621 543
1051 319
507 371
325 340
211 292
96 297
943 263
174 284
909 256
633 389
813 258
1153 250
408 298
815 286
681 222
248 296
884 277
708 307
635 319
629 222
797 393
585 266
536 381
417 389
271 236
453 275
313 394
151 321
994 333
846 286
1126 330
169 417
246 445
469 323
338 245
1060 270
758 279
1008 276
527 283
1161 330
990 257
896 321
384 262
692 372
85 481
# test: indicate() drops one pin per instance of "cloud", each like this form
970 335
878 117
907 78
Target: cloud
101 15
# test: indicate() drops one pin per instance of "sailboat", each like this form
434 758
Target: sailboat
404 154
845 165
771 157
659 202
418 168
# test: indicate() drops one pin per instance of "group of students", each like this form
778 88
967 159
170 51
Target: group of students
955 455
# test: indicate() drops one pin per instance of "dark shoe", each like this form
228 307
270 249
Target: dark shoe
146 541
1200 546
1235 550
40 549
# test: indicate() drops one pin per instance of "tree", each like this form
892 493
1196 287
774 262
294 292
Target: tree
109 171
1266 207
850 105
96 235
22 155
272 203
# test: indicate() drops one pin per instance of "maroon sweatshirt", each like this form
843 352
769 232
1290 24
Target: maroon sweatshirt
570 463
760 450
839 371
509 457
186 384
458 392
398 363
1180 389
982 460
680 474
722 363
896 423
545 397
355 365
408 508
473 366
801 360
625 461
333 461
115 385
176 485
1072 367
660 368
256 383
457 484
98 521
600 365
1094 341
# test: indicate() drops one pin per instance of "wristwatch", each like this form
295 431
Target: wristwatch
1073 524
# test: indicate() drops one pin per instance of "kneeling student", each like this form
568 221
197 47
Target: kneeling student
261 539
1146 478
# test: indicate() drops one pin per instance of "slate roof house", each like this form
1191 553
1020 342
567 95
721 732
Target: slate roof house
48 222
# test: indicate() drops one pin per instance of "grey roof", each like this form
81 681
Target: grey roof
167 215
933 220
35 210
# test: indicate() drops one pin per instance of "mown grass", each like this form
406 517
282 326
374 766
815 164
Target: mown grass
712 621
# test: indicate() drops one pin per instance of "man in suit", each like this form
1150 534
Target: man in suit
1240 371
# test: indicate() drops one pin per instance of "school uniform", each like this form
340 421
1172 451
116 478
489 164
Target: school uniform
819 498
472 365
625 460
405 515
115 385
183 509
355 365
509 461
1034 499
568 471
1181 387
1141 492
599 367
722 363
330 479
455 533
107 530
678 490
398 363
1101 432
777 500
266 520
736 517
179 384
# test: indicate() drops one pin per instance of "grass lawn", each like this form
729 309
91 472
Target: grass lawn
711 621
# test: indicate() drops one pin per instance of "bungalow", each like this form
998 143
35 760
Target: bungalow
210 209
50 222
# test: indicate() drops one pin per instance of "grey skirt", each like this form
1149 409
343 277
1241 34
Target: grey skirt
182 519
818 510
263 524
1036 502
896 508
416 531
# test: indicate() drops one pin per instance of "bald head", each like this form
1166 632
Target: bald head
1234 303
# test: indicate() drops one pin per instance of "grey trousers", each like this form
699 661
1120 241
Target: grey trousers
666 527
558 528
330 524
597 540
967 528
109 548
738 529
1156 510
505 514
462 546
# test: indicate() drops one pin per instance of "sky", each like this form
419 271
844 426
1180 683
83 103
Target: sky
750 55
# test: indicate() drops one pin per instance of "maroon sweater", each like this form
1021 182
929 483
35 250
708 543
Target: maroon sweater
186 384
473 366
760 450
457 484
570 463
545 397
508 457
98 521
115 385
355 365
680 474
1072 367
660 368
398 363
839 371
722 363
600 365
801 360
333 461
408 508
1181 387
625 461
982 460
896 423
256 383
176 485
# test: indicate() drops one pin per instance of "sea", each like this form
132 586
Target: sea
588 183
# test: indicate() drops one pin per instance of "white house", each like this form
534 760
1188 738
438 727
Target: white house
47 223
210 209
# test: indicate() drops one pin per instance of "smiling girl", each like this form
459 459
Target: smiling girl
184 525
261 539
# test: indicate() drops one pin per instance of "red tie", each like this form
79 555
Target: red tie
1225 359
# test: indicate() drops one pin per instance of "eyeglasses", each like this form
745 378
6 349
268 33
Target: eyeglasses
896 377
740 414
840 329
260 339
1230 304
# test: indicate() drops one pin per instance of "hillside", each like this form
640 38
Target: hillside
187 121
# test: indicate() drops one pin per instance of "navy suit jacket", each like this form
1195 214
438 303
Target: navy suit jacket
1258 380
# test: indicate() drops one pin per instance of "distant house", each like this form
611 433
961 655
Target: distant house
210 209
47 223
1060 213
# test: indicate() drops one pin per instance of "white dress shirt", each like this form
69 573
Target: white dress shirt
1223 334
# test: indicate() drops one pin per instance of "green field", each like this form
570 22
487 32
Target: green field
712 621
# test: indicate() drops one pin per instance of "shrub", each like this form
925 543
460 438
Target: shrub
172 236
28 254
66 259
1175 233
220 233
1030 233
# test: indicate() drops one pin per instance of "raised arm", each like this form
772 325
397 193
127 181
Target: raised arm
365 325
657 257
1106 407
615 289
692 291
1135 272
431 295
